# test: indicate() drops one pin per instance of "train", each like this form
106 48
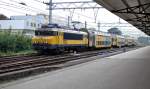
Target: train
55 38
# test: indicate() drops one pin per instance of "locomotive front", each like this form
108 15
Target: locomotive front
44 39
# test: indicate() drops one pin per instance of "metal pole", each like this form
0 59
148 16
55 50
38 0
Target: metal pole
50 11
98 24
68 21
85 25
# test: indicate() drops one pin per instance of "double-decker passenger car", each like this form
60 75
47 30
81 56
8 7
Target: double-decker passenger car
103 40
120 41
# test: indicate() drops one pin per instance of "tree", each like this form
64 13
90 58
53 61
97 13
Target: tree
3 17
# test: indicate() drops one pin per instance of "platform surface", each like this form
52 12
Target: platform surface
130 70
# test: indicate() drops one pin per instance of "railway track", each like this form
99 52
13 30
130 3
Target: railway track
18 63
10 65
11 59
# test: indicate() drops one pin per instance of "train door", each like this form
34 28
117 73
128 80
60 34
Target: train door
94 40
101 41
113 41
60 38
85 40
91 41
60 41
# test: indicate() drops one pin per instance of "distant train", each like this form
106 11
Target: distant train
54 38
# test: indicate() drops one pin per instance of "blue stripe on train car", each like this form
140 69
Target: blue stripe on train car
47 46
72 36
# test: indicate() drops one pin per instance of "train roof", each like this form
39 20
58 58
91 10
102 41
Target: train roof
63 30
96 32
120 36
56 27
102 33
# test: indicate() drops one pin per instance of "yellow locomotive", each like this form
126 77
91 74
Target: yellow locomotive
59 39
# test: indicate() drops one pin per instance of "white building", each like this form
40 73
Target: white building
12 24
24 24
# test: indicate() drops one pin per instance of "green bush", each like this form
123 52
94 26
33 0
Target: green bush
14 42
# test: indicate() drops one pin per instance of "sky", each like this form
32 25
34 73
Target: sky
32 7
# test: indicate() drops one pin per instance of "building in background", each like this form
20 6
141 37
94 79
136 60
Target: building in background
24 24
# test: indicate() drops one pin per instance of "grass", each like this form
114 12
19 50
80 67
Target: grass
10 53
11 44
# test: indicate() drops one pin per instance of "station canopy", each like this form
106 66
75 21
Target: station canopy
136 12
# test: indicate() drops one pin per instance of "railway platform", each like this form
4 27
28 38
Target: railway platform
129 70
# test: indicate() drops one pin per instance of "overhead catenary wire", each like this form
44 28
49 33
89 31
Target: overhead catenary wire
5 4
78 14
23 8
37 9
12 10
18 6
69 11
27 8
42 2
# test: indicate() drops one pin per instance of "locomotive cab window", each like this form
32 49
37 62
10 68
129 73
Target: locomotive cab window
45 33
